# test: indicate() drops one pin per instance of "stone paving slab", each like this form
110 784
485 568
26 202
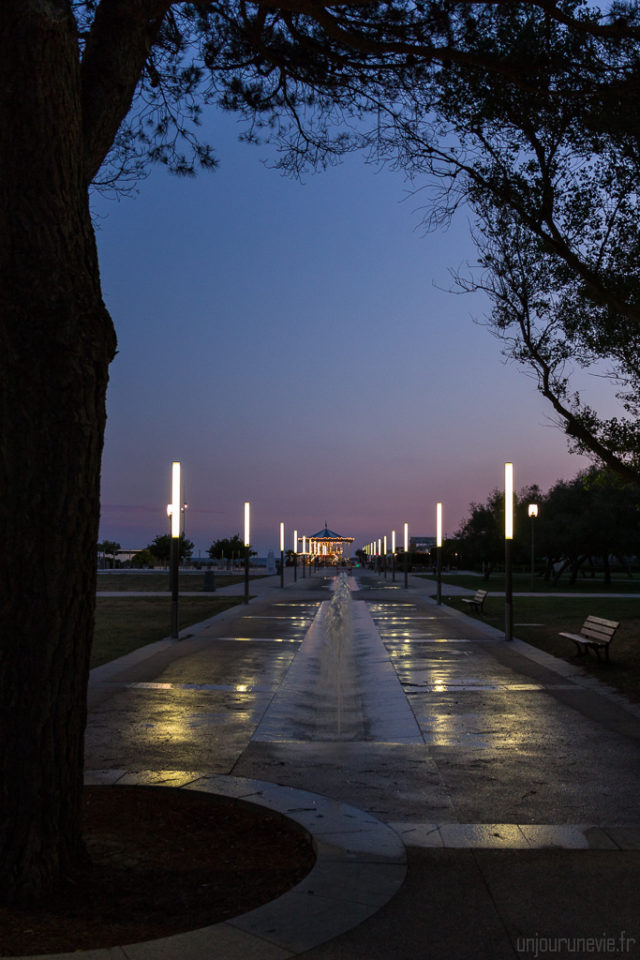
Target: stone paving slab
392 780
220 942
360 864
503 904
523 836
517 748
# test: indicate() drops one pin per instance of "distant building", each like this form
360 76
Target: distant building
422 544
126 556
121 559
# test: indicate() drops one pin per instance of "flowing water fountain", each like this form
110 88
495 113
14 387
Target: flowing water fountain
338 668
341 685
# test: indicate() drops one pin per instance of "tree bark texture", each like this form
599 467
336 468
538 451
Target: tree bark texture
56 342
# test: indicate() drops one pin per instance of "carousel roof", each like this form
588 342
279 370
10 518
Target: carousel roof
327 534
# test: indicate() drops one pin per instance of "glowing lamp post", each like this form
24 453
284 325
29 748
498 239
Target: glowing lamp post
304 557
508 560
406 556
174 512
247 548
295 556
282 554
439 552
393 555
533 515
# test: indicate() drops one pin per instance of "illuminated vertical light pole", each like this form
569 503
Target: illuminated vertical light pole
174 557
406 556
295 555
384 554
393 555
533 514
304 557
281 554
508 559
247 547
439 552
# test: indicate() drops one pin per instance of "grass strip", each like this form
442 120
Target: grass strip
125 623
159 581
538 620
522 583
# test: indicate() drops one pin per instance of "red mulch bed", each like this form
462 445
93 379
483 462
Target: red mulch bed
163 861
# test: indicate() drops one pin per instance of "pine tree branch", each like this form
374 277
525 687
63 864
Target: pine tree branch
117 49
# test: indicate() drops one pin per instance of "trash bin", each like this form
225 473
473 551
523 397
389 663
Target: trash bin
209 583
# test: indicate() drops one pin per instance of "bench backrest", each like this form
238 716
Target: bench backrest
596 628
480 594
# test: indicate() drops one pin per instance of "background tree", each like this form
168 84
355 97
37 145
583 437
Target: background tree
591 518
481 537
229 548
90 91
553 183
586 520
143 558
546 323
109 548
160 548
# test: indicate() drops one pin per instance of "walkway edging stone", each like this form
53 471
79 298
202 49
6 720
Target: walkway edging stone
360 865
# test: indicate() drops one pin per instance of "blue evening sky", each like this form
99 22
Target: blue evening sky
293 345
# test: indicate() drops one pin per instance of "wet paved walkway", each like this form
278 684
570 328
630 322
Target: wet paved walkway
512 779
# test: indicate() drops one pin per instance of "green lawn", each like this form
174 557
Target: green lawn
522 583
538 620
155 580
125 623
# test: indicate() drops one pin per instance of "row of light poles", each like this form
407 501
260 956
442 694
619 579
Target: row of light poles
532 511
304 553
371 551
175 509
295 554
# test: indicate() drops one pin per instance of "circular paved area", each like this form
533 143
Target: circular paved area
470 748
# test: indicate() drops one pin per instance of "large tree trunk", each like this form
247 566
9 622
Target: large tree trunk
56 341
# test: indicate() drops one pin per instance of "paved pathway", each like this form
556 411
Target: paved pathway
512 779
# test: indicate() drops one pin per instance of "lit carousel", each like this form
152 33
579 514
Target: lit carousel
325 546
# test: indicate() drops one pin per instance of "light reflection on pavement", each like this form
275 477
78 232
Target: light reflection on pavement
502 738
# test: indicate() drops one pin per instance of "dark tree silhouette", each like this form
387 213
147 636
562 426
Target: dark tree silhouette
90 92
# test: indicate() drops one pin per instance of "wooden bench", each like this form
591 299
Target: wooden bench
477 601
596 633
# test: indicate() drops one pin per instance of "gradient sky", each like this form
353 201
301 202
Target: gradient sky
294 345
